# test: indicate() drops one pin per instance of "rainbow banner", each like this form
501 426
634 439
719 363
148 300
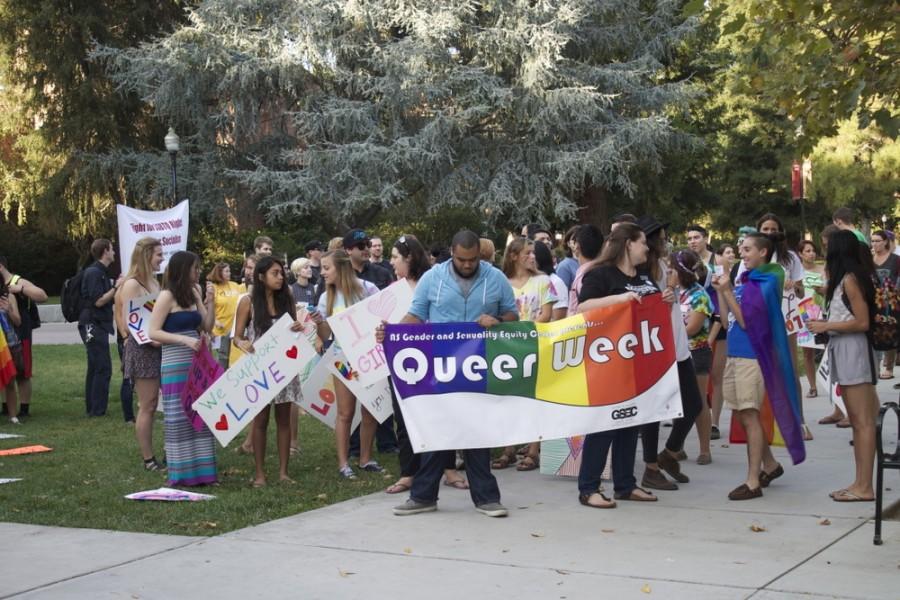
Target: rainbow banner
462 386
7 366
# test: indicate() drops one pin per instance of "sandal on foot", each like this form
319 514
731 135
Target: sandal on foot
585 500
503 461
843 424
529 463
632 496
257 484
151 464
812 393
459 484
848 496
807 434
398 488
704 459
829 420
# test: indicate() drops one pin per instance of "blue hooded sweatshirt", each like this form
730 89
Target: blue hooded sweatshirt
439 299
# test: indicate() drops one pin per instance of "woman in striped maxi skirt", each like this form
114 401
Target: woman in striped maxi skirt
179 317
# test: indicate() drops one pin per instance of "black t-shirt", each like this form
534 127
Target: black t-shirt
609 281
375 273
94 283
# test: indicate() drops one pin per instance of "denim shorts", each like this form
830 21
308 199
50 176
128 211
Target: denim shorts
702 358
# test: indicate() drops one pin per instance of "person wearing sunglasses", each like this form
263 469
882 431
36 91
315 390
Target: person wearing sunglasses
357 244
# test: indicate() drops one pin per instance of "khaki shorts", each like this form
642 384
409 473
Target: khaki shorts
742 384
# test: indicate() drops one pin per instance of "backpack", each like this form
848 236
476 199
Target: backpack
33 315
70 297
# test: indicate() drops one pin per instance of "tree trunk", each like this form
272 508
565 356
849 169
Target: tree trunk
593 207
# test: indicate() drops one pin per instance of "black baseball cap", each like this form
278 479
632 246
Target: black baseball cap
314 245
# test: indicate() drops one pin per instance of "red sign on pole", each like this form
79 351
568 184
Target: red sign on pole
796 181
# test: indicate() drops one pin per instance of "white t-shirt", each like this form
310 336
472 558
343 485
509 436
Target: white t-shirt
559 289
679 332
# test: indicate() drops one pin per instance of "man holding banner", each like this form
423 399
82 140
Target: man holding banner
463 289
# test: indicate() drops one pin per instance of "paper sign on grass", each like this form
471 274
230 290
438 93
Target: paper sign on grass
354 329
462 386
137 316
375 397
204 372
169 495
318 397
254 380
25 450
169 226
2 481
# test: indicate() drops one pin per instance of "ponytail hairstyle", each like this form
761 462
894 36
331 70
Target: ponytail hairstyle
347 284
141 268
616 247
282 298
410 248
689 268
513 250
779 240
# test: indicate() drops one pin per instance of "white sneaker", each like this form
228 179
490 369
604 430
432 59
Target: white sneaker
15 421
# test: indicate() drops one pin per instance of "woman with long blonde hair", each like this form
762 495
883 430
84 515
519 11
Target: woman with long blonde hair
343 289
141 362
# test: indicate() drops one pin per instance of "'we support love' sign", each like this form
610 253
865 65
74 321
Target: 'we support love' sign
254 380
354 329
137 315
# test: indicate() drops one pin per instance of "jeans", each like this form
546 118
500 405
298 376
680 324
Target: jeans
385 438
482 483
99 369
409 461
691 404
126 394
593 460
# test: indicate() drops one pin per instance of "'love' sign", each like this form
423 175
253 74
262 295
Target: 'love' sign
319 398
137 315
254 380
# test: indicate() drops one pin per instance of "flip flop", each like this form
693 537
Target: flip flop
813 393
843 424
633 498
585 500
848 496
527 464
398 488
829 420
502 462
459 484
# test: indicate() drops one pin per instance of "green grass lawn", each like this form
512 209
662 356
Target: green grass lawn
95 462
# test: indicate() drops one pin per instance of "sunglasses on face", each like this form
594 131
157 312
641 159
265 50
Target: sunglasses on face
362 245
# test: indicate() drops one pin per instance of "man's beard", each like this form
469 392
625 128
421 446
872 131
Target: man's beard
463 275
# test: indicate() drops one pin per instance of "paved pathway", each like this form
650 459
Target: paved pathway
694 543
57 333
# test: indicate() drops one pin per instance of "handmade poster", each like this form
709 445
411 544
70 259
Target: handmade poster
462 386
247 387
205 370
137 315
8 436
165 494
354 329
2 481
563 458
318 398
24 450
808 310
823 379
169 226
375 397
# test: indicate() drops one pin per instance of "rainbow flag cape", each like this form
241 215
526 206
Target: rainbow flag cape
761 306
7 367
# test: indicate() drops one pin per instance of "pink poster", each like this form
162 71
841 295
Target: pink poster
205 370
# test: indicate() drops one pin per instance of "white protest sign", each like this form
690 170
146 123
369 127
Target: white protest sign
376 397
169 226
354 329
137 316
823 379
318 397
254 380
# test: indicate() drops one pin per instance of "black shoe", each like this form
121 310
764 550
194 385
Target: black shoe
23 410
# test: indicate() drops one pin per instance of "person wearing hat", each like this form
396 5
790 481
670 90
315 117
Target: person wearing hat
357 245
314 251
657 269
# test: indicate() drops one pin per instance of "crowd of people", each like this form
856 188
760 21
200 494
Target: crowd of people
539 278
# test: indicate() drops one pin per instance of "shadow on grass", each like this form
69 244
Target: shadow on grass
95 462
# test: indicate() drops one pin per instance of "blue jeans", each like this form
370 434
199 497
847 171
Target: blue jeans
126 394
99 369
482 483
593 459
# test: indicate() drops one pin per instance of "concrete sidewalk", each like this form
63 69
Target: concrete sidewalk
57 333
693 543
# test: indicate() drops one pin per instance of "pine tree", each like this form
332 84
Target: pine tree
344 108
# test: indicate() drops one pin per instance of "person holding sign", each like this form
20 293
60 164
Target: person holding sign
463 289
142 361
179 318
342 289
813 286
269 299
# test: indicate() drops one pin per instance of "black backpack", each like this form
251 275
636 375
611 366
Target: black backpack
70 297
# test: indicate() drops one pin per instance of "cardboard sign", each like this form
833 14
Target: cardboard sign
354 329
254 380
25 450
137 316
318 397
376 397
205 371
169 226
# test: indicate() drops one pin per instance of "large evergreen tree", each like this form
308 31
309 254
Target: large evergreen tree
515 110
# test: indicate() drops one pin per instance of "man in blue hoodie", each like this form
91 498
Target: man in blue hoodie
462 289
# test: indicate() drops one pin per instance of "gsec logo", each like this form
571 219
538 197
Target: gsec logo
624 413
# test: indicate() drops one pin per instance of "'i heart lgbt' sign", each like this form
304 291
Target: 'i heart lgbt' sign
254 380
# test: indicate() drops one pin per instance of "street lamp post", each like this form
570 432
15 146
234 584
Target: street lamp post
173 145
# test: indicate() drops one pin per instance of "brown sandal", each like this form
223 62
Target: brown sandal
503 461
585 500
528 463
637 498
